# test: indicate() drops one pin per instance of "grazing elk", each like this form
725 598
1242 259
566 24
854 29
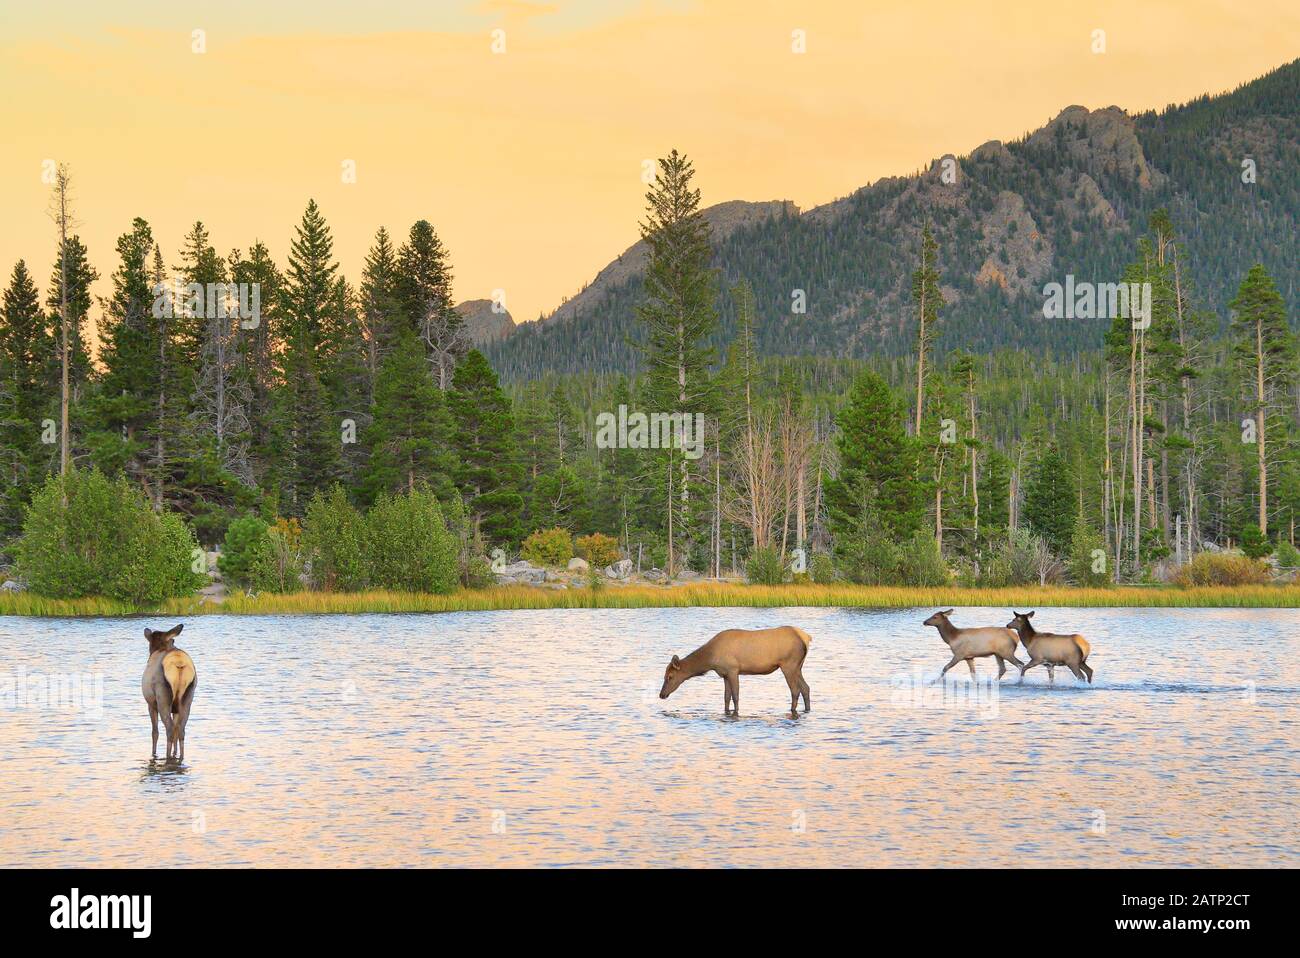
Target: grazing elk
970 644
1050 649
168 685
736 652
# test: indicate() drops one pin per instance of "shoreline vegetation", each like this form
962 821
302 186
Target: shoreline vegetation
695 595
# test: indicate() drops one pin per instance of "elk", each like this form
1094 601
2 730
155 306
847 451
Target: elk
168 684
1050 649
971 644
736 652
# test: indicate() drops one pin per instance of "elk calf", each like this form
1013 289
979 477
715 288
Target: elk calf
736 652
1050 649
168 685
970 644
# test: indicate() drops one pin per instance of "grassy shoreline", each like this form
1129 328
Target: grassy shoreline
683 596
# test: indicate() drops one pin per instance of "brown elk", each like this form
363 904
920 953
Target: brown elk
970 644
736 652
1050 649
168 684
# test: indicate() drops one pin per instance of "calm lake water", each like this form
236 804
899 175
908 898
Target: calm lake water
538 738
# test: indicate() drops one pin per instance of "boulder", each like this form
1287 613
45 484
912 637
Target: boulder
619 570
655 575
12 585
578 565
689 575
521 573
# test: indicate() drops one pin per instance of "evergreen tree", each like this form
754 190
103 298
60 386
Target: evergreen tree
123 408
484 440
927 300
876 487
678 317
80 275
424 292
1266 353
1050 508
27 395
411 433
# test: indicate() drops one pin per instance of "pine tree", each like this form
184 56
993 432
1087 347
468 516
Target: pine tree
1266 353
27 394
484 441
928 300
678 316
876 487
380 306
124 410
424 292
411 433
80 277
1050 508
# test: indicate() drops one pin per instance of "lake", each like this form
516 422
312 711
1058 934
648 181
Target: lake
537 738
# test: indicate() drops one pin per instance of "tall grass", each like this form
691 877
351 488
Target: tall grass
647 597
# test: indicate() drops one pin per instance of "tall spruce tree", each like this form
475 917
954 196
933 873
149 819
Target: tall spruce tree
678 316
876 488
488 471
1266 354
410 437
424 290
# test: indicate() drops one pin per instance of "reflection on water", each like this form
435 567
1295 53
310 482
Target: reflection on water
538 738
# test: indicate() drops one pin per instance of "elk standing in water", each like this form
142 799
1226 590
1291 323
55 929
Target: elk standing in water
168 685
970 644
1050 649
736 652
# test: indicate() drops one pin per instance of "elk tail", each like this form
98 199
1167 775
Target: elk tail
803 637
179 672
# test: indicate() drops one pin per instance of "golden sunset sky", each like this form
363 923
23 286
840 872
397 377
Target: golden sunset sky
528 162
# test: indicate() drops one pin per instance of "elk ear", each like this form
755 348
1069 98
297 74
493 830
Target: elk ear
1030 615
148 634
946 612
177 629
676 662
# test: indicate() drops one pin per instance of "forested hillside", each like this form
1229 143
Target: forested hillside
1072 198
921 421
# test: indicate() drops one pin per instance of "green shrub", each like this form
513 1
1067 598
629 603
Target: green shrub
476 573
1288 556
1083 565
1254 543
1222 568
245 541
334 542
920 563
598 549
409 546
821 568
85 535
277 564
870 559
765 567
553 547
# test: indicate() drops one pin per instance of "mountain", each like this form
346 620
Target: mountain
482 324
1070 198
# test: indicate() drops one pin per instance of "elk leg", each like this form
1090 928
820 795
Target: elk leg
1051 675
954 661
971 663
1027 666
169 725
805 691
1002 665
734 681
1084 666
153 720
791 679
1078 674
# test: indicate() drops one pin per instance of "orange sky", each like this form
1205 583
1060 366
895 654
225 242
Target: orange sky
528 162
